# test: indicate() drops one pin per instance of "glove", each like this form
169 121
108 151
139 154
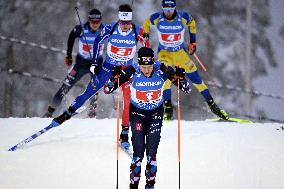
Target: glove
146 36
116 71
180 72
192 48
185 87
109 87
94 67
68 60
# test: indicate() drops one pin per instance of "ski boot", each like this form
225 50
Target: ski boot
149 187
168 114
124 137
216 110
93 106
133 186
65 116
149 184
49 112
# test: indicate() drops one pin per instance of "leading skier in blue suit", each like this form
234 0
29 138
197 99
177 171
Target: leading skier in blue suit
146 109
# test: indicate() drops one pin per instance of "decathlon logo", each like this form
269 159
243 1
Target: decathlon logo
170 27
148 84
130 42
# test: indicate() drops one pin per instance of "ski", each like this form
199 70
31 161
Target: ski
281 128
29 139
231 119
128 151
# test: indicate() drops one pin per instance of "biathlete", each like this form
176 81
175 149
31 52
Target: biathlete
146 109
86 35
171 24
122 37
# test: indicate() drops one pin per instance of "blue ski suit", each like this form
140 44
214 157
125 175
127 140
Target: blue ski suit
83 59
146 114
121 48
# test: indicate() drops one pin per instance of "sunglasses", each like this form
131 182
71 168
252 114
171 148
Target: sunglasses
95 21
95 16
168 9
125 22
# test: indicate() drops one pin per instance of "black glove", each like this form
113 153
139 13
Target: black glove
116 71
65 116
146 36
185 87
109 86
180 72
68 60
94 68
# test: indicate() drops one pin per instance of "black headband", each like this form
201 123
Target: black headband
146 60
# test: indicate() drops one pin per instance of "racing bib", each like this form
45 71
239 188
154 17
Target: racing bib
121 53
171 39
147 96
85 50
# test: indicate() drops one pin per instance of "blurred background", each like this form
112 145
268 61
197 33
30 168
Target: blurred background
240 42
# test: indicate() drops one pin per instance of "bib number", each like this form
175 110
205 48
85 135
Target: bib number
147 96
171 37
87 48
121 51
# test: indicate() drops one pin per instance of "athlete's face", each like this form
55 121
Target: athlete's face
168 11
95 24
125 25
146 69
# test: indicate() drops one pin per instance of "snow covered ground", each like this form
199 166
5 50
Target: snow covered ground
82 154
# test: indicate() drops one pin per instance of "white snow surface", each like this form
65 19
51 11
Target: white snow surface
81 153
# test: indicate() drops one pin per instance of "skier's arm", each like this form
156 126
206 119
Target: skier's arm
71 39
189 21
148 22
100 39
123 75
175 76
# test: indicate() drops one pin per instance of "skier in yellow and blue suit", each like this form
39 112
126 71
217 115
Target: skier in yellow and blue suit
171 24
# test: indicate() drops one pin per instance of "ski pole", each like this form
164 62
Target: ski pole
199 62
84 36
117 132
178 104
132 3
213 83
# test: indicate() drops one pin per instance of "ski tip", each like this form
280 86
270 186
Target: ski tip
231 119
13 149
240 120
